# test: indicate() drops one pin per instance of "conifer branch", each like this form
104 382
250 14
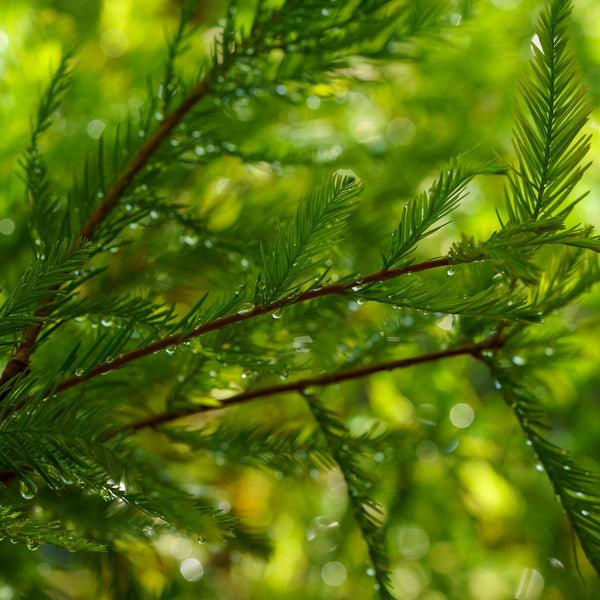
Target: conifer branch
549 152
342 288
369 514
491 344
19 362
122 182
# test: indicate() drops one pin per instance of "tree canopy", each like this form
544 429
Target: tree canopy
298 299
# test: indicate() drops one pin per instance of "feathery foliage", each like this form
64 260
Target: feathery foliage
159 339
316 227
548 144
368 512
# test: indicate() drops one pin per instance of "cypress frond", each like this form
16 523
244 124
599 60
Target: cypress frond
366 510
39 284
289 450
33 533
161 258
576 488
422 213
547 140
318 225
44 203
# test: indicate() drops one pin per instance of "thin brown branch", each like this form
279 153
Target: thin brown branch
19 361
162 132
490 344
222 322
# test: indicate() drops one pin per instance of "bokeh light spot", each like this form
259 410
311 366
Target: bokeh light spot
531 585
180 548
461 415
427 451
413 542
7 226
95 128
136 97
333 573
313 102
114 42
191 569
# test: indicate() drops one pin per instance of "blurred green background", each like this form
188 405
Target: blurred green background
469 516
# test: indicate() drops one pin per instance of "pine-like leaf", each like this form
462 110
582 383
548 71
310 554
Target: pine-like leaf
33 533
366 510
577 488
34 173
549 151
56 264
421 215
317 226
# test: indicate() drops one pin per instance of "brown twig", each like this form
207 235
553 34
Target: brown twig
162 132
19 361
222 322
490 344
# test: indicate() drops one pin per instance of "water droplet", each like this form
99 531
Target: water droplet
277 314
106 322
519 360
497 385
171 350
79 372
450 271
548 351
585 513
361 301
27 489
539 467
32 544
246 308
109 359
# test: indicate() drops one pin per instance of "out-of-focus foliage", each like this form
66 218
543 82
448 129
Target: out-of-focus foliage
255 199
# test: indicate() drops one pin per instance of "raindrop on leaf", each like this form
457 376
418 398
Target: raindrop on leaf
27 489
246 308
